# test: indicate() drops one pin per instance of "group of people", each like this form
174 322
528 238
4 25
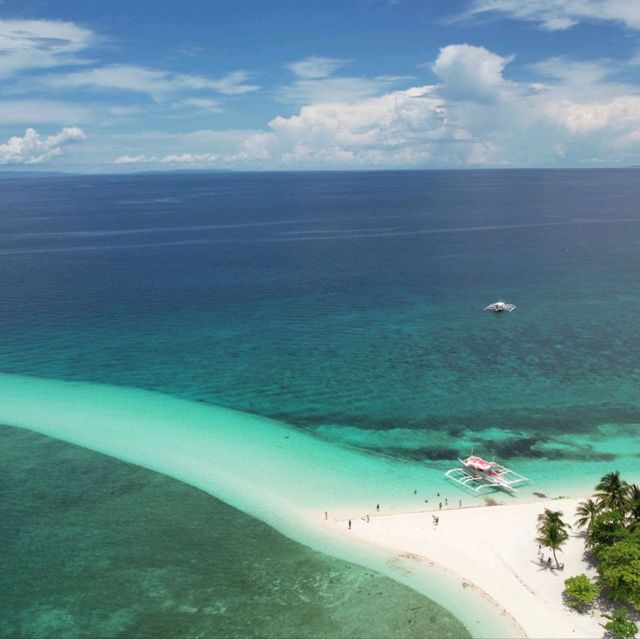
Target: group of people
436 518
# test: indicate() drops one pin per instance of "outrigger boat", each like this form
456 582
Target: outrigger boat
499 307
477 473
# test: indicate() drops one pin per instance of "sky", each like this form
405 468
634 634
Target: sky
137 85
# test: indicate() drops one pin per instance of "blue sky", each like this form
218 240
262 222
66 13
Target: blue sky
307 84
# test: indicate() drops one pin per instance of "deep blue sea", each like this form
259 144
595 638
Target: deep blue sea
347 304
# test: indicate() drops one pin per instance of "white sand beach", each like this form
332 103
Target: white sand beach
492 548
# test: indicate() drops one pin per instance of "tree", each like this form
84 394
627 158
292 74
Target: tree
612 492
633 505
552 531
586 511
621 627
580 591
607 528
619 570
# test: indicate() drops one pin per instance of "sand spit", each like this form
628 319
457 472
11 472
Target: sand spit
479 563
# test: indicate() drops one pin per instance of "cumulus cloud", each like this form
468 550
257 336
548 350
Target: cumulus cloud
395 128
469 72
556 15
33 148
474 116
40 44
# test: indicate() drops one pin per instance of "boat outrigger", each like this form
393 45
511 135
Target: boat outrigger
500 307
477 473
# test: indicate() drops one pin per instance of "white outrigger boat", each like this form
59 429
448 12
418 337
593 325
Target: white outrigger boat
500 306
477 473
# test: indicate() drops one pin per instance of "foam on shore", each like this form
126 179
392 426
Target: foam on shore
279 475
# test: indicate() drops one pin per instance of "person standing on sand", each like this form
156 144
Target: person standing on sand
378 507
440 506
349 524
367 518
326 515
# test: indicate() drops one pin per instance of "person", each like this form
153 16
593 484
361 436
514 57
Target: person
378 507
440 506
446 501
367 518
349 524
437 520
549 561
438 495
415 492
326 515
459 503
434 518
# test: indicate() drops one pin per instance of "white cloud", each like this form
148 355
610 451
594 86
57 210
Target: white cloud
33 148
190 158
469 72
334 89
206 104
234 83
474 116
174 158
556 15
157 83
396 128
40 44
315 67
132 159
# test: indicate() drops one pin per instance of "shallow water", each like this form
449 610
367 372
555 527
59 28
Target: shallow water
95 547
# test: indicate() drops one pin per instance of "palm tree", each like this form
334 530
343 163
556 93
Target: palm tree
585 512
612 492
633 505
552 531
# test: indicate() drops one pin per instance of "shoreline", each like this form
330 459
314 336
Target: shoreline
288 479
492 549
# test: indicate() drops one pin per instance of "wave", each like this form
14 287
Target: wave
321 236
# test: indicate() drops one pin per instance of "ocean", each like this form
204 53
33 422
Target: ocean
347 305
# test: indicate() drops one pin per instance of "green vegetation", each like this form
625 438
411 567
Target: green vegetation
621 627
580 591
611 520
552 531
619 570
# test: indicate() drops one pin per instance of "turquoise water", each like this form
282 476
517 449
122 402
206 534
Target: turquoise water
95 547
347 305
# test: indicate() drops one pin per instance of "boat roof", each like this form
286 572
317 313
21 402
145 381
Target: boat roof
478 462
